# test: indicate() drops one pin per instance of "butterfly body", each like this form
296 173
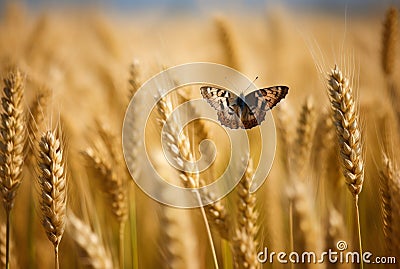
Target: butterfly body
243 111
241 101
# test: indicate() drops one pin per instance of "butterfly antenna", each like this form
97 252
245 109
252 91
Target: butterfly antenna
247 86
251 84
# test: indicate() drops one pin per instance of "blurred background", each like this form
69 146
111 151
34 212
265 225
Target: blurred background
83 60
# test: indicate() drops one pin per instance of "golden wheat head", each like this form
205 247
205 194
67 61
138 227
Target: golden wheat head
12 138
348 131
53 186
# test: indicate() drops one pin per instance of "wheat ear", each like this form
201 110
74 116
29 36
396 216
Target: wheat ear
305 232
90 246
35 123
179 238
12 144
284 137
389 194
228 43
134 78
244 241
114 187
335 232
111 184
389 38
37 111
179 145
305 132
388 58
113 145
52 180
348 132
177 141
345 117
13 137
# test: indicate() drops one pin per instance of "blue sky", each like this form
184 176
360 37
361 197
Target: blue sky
193 4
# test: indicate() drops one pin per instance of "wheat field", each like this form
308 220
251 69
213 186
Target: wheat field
68 75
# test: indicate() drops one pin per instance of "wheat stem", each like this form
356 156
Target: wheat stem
210 238
121 250
8 239
358 226
56 259
133 231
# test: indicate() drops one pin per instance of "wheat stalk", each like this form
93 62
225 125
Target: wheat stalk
35 123
326 162
228 43
389 38
37 111
244 242
52 180
134 78
12 138
114 187
335 233
216 212
348 132
12 142
105 36
111 184
284 136
90 246
178 237
180 145
388 58
179 240
3 249
304 229
389 193
178 142
305 132
113 145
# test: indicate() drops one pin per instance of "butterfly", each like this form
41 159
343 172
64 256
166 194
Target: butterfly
243 111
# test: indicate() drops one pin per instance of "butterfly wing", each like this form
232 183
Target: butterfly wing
224 102
260 101
219 99
265 99
234 112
